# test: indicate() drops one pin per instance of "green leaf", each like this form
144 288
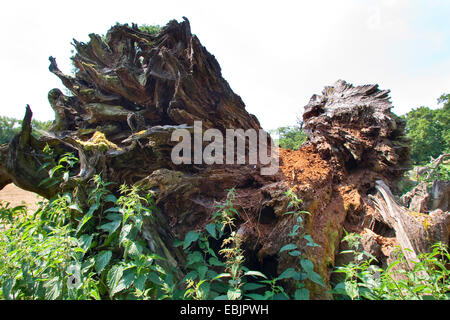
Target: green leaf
214 261
191 276
139 283
7 286
288 273
102 259
295 253
45 165
202 271
110 226
53 170
153 277
93 208
339 289
234 294
190 237
311 242
315 277
252 286
211 228
301 294
87 216
351 289
85 241
255 273
294 230
194 257
222 275
114 276
127 280
76 207
307 265
134 249
289 246
177 243
124 232
392 265
53 289
94 294
110 198
113 209
255 296
83 221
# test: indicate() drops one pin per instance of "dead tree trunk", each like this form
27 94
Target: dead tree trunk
415 231
132 89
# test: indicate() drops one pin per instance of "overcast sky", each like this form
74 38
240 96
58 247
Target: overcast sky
274 54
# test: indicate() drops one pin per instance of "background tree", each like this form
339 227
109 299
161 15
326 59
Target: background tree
9 127
443 118
152 29
429 131
290 137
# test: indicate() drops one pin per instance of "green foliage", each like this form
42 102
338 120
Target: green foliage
305 269
291 137
204 279
9 127
58 167
429 278
39 257
64 252
441 172
152 29
427 173
429 131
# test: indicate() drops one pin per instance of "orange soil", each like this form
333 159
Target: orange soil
304 166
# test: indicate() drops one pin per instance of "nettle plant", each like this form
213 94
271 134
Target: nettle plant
58 169
65 252
38 257
427 279
223 275
305 268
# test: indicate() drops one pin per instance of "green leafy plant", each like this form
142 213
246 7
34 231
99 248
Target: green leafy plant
59 168
428 279
305 268
206 279
40 257
290 137
65 251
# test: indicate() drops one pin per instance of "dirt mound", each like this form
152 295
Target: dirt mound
304 166
17 197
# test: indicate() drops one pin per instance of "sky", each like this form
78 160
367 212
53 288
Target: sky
274 54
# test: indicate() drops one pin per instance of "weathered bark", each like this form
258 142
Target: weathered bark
417 199
133 89
22 159
355 128
415 231
130 92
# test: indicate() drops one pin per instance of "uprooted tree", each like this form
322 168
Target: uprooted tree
132 89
